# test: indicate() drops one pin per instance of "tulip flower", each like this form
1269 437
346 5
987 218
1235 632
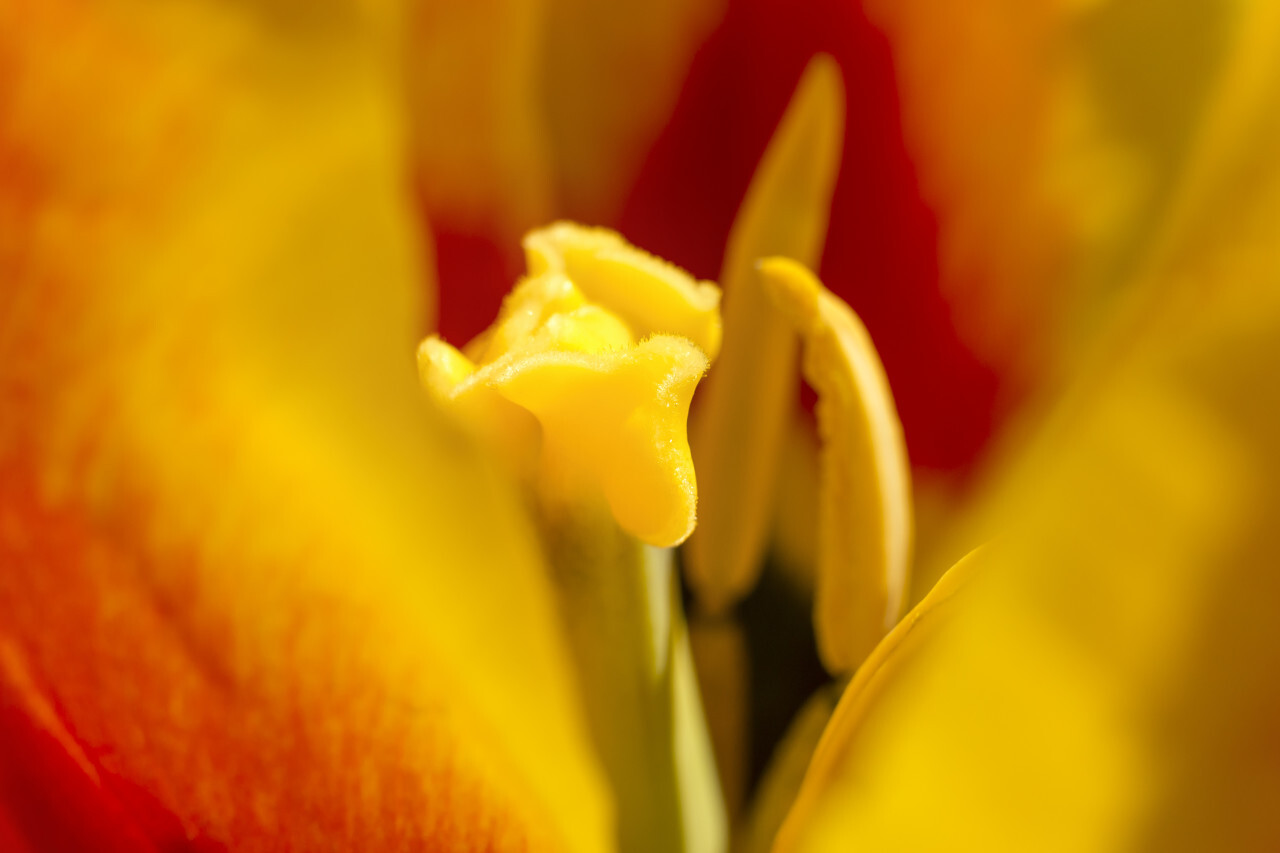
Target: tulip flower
267 583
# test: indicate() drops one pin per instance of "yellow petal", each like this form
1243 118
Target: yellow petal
747 403
1129 608
254 572
1117 533
864 559
881 671
1214 231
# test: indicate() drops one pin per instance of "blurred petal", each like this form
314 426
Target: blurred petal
1051 138
1128 129
480 132
976 88
880 673
785 772
528 110
1106 685
271 601
1041 708
480 145
738 432
865 507
612 74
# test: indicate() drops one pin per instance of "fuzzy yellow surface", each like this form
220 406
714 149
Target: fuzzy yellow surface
650 294
592 347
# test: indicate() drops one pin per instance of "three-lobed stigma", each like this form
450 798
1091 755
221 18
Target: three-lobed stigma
583 383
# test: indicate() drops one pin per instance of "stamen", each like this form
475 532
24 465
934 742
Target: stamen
750 397
864 551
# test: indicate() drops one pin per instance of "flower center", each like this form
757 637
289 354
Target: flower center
583 383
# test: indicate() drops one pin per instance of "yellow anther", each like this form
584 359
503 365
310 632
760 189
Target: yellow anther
864 522
574 402
651 295
750 397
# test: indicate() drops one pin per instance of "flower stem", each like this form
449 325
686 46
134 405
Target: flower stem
621 608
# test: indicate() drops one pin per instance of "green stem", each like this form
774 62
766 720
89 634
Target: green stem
621 606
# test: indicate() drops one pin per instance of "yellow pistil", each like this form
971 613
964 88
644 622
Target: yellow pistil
583 386
585 380
650 294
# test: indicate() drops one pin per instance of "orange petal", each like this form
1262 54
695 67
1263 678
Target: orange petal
977 91
1052 138
480 130
265 591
